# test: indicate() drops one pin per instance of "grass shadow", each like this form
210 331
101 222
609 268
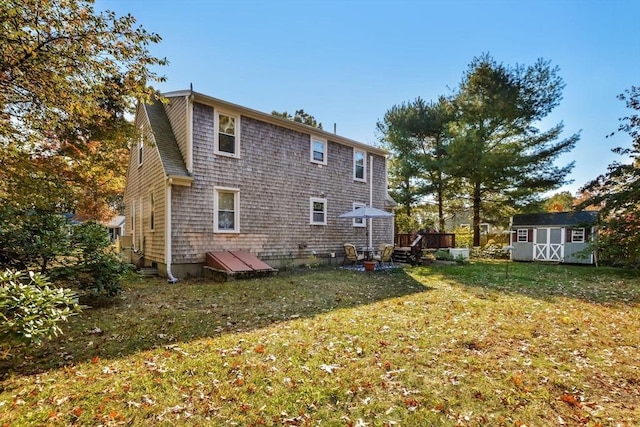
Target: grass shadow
152 313
597 285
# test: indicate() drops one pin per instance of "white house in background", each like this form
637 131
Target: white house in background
115 227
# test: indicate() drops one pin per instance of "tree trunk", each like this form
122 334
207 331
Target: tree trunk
440 211
476 214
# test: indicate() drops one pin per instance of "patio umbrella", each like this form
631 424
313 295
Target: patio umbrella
366 212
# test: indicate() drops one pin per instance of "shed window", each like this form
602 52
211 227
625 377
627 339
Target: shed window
523 235
226 210
577 235
318 211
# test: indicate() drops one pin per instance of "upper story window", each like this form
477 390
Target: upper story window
577 235
359 165
358 222
523 235
226 210
318 211
318 150
484 228
226 134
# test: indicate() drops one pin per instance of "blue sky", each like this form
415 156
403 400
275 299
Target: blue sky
347 62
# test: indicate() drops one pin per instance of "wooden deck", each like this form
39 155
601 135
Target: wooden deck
409 246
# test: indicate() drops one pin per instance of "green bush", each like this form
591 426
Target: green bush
32 238
98 270
443 255
31 309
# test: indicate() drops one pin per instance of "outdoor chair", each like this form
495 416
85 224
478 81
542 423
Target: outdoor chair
351 254
385 256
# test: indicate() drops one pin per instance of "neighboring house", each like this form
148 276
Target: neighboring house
208 175
115 227
557 236
464 219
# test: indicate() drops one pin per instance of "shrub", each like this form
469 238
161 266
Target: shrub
31 309
98 270
443 255
31 238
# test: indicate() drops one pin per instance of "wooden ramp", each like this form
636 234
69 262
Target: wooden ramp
229 264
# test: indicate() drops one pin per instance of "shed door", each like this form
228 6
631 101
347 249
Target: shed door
548 244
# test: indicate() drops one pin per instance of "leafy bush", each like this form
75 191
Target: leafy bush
98 270
618 242
31 238
31 309
491 250
464 237
83 253
443 255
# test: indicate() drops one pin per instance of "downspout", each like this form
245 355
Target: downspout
369 224
167 234
190 133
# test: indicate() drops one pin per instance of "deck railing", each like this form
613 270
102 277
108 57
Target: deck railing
428 240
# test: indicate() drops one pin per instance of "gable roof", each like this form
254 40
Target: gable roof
279 121
556 218
170 156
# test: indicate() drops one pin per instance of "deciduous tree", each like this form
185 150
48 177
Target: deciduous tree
68 76
618 192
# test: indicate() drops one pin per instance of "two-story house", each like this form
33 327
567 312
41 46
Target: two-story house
208 175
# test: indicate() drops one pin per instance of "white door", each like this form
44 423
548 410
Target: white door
548 244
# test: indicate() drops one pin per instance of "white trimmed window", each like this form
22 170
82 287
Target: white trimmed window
318 150
359 165
140 149
152 212
465 226
484 228
317 211
226 210
577 235
359 222
523 235
226 134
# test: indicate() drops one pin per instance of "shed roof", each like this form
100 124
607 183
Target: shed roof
556 219
165 140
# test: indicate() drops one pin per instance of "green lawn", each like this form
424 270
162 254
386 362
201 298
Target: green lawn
441 345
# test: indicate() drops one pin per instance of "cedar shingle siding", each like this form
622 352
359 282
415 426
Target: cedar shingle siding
275 179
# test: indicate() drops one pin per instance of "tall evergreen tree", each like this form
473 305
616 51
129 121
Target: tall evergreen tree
496 147
417 134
